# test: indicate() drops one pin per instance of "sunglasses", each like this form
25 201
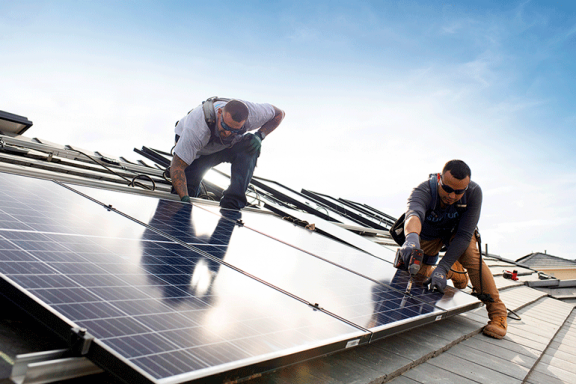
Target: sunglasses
228 128
448 189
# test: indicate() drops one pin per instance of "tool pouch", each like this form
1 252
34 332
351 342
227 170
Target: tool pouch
397 230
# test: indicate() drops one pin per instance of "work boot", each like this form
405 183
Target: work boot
460 280
496 327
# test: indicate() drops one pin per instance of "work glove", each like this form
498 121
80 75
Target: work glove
437 281
254 143
412 242
185 199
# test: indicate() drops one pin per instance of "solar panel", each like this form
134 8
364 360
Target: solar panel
156 308
342 280
176 293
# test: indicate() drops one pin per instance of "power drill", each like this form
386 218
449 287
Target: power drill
416 257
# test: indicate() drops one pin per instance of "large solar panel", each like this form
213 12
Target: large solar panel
177 293
343 280
156 307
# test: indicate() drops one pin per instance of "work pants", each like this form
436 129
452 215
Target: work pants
470 260
243 164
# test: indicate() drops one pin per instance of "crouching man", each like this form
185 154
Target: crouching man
445 211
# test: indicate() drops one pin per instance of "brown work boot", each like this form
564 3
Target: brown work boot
496 327
460 280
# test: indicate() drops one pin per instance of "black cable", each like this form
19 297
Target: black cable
134 182
515 314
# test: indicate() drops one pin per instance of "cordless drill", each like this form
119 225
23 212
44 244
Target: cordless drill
413 266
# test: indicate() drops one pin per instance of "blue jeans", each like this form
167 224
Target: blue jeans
243 165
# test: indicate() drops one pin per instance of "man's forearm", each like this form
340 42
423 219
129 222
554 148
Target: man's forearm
271 125
178 176
413 225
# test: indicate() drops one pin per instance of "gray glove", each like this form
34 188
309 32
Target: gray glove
438 280
185 199
412 241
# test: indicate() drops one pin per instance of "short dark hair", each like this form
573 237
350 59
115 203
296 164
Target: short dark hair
458 169
237 109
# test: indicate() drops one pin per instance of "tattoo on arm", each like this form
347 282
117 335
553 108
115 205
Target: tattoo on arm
178 176
274 123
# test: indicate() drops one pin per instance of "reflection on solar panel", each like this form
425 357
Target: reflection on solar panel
177 293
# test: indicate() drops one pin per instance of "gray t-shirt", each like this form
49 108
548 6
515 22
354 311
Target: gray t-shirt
438 222
195 134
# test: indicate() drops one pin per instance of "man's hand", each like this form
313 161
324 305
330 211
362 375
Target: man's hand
437 281
412 242
254 143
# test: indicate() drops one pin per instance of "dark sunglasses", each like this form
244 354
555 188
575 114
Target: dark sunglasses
228 128
448 189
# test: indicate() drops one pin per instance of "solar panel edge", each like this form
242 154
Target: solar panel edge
64 329
274 361
34 306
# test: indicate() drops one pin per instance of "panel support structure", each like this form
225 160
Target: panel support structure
49 367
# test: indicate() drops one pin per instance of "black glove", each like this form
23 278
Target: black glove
412 242
185 199
438 280
254 143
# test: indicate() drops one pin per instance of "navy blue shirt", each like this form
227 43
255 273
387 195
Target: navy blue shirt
438 222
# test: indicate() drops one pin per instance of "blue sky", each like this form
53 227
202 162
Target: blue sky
377 94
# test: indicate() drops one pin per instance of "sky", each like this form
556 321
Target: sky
377 94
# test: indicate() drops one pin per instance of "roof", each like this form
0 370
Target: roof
538 348
544 260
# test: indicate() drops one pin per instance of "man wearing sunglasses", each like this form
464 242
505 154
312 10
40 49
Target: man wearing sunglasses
202 144
452 222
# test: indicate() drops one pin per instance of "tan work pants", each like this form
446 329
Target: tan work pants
470 261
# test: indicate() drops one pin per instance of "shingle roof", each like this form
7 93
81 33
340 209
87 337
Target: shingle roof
544 260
